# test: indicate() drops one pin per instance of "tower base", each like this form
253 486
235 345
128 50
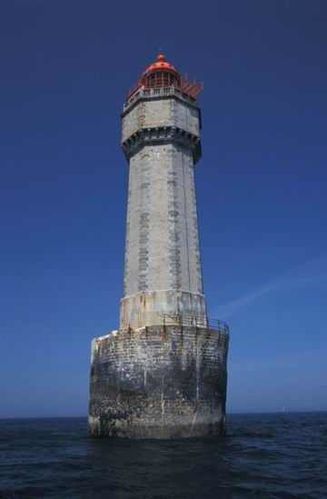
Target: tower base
158 382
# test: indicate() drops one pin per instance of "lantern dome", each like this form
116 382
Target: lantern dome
160 73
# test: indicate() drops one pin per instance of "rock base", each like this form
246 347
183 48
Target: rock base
158 382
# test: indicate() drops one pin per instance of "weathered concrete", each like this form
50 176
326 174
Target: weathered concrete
147 308
158 382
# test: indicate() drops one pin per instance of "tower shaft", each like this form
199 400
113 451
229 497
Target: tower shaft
162 246
162 257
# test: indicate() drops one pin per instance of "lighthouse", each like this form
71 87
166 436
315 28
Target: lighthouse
163 373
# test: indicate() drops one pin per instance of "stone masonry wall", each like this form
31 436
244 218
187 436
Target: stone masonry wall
158 382
162 244
161 112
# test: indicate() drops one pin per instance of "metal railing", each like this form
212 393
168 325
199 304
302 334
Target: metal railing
195 320
179 319
155 92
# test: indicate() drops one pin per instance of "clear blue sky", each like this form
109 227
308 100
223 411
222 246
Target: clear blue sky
261 185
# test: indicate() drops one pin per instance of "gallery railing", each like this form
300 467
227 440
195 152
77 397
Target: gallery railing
152 318
195 320
156 92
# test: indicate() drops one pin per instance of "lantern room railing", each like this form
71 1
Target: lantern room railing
157 92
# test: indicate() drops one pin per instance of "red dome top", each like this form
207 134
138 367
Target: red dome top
162 74
161 64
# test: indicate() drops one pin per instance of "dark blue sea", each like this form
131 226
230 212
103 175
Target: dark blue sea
263 455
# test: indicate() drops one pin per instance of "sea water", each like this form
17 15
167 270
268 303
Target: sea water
263 455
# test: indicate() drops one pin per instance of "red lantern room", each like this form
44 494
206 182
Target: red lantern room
162 74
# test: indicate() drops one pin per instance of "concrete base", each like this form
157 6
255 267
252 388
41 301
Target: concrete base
162 307
158 382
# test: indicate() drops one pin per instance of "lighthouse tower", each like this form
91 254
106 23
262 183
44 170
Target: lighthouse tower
161 140
163 373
